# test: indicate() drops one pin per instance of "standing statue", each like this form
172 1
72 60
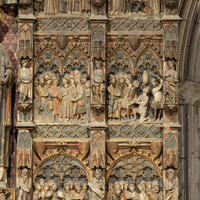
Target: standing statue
98 81
25 83
24 185
170 81
171 186
97 186
7 79
157 104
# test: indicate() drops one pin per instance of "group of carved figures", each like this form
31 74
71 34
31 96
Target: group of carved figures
123 190
123 101
147 190
67 102
83 6
72 190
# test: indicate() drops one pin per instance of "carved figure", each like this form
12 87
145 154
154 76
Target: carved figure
47 193
41 94
124 100
85 191
80 99
116 194
134 194
149 193
113 97
97 186
142 101
157 104
71 183
77 190
50 6
6 84
98 81
24 185
171 186
141 188
54 191
54 91
64 96
25 84
110 189
73 94
156 190
170 81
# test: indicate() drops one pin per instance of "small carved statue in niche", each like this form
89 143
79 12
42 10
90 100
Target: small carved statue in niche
25 83
171 185
97 186
6 83
98 81
170 82
116 194
24 185
157 104
142 101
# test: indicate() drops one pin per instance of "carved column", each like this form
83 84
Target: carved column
170 89
25 123
98 127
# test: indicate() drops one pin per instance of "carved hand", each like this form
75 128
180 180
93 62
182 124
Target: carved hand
6 78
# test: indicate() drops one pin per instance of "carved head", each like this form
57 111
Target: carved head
121 184
41 79
54 187
77 186
148 185
136 84
117 191
98 64
66 82
141 186
41 182
85 187
56 81
84 78
25 63
126 186
67 187
132 188
171 64
46 188
128 80
171 174
98 174
154 82
146 90
25 173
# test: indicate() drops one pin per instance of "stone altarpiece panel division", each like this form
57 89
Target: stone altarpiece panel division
97 100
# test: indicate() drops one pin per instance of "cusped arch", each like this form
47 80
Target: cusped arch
148 55
61 165
134 165
76 60
47 58
120 57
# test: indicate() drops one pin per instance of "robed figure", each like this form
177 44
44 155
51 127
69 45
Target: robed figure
6 84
